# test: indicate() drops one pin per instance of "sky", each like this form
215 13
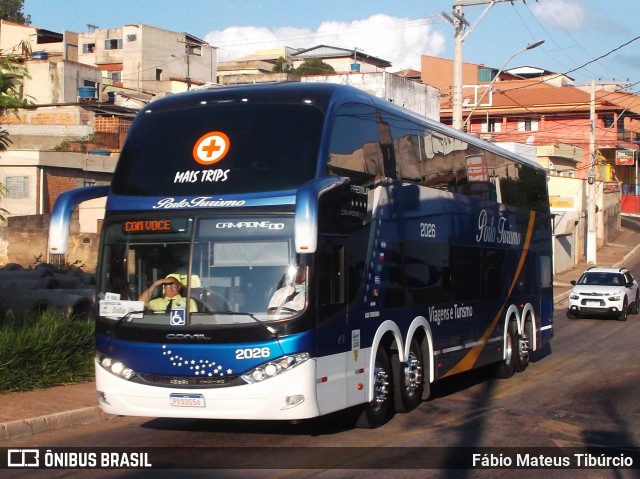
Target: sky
590 40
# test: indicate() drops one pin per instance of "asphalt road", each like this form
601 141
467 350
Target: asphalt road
582 392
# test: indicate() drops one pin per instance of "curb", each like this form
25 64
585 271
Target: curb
52 422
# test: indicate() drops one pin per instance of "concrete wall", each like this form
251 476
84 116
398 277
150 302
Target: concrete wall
146 50
417 97
57 80
45 128
569 195
25 240
611 219
568 202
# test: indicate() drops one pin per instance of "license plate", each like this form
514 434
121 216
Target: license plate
186 400
593 303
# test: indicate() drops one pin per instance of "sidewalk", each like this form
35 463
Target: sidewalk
23 414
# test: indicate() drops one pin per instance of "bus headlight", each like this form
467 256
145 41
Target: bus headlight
115 367
275 367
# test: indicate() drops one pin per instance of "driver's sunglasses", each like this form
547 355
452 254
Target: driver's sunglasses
170 283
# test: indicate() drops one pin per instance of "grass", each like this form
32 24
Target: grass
41 350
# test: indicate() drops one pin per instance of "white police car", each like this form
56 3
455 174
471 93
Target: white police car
604 291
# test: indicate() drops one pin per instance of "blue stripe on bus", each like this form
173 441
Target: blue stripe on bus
204 360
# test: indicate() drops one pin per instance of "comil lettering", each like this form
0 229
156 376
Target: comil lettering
488 232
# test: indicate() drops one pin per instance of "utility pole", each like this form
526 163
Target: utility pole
591 182
188 46
460 23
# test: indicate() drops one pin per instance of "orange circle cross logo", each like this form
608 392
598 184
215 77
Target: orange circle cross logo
211 148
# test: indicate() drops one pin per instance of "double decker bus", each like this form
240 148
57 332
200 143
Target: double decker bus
333 251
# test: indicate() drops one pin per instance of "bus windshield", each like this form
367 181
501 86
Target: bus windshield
240 270
262 152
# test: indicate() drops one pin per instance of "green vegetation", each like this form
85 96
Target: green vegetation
12 10
41 350
314 66
282 66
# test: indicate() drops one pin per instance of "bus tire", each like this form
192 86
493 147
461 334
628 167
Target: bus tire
507 366
378 411
408 379
522 348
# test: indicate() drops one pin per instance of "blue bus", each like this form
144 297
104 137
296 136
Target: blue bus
328 249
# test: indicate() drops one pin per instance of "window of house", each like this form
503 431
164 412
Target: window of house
132 37
17 187
113 44
116 76
607 120
195 50
158 74
88 47
528 124
492 125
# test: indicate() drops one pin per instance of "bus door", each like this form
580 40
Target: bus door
337 344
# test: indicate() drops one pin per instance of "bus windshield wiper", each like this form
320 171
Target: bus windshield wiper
121 319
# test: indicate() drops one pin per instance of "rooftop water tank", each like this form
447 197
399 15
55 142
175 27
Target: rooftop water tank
86 92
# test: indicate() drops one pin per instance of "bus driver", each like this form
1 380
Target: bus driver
171 297
290 298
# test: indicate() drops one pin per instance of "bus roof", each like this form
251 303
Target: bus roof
323 96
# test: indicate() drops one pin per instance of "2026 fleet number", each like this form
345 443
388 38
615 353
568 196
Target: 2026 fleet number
253 353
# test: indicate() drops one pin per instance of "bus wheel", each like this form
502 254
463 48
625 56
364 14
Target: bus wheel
523 345
408 379
507 366
377 412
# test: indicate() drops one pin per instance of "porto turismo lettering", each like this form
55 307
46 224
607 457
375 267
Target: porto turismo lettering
488 232
198 202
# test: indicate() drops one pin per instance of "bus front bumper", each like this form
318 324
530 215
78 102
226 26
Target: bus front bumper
288 396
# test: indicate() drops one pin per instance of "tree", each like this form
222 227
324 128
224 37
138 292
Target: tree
314 66
12 10
10 97
10 101
282 66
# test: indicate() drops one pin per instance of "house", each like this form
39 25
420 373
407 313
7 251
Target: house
34 179
438 72
341 59
145 59
557 120
409 94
